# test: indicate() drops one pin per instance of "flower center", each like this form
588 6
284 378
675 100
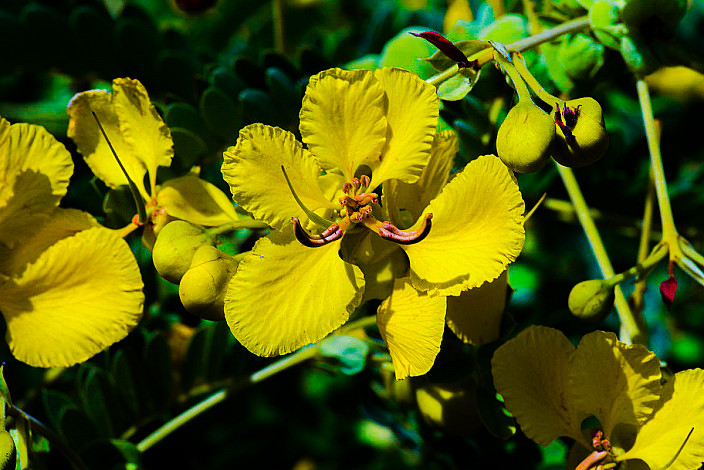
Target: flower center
602 457
357 209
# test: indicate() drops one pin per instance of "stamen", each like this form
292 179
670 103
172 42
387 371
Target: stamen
389 232
332 233
364 199
365 180
346 188
592 459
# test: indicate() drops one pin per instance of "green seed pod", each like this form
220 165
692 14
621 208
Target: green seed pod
203 286
175 246
524 138
591 300
8 455
581 136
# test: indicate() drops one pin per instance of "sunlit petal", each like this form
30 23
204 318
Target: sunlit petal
679 410
34 173
615 382
475 315
252 168
342 119
79 296
405 202
477 230
197 201
531 374
411 116
141 126
285 296
411 324
85 133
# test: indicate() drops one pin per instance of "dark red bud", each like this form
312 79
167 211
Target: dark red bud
446 47
668 287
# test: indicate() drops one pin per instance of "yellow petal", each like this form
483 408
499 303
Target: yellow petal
81 295
342 119
681 408
406 201
85 133
252 168
61 223
285 296
477 230
141 126
34 173
196 201
411 116
411 324
475 315
615 382
531 374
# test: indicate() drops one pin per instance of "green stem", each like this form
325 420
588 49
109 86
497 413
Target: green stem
632 330
486 56
533 83
287 362
669 232
278 19
54 439
172 425
510 69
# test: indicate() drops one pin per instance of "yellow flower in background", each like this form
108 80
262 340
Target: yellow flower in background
143 143
551 388
68 286
380 124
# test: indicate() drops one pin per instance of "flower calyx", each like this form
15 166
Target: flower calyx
581 135
357 208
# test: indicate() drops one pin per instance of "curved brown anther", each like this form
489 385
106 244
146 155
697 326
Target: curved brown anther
332 233
365 180
365 211
390 232
357 184
364 199
592 460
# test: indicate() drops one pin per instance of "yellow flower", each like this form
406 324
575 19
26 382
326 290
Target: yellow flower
551 388
143 143
68 286
365 129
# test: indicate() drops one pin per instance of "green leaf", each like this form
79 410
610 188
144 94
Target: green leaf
175 71
604 18
192 371
282 89
557 73
188 147
441 62
118 206
227 81
218 338
351 353
506 29
158 361
581 56
637 55
4 389
667 13
494 416
55 404
257 106
406 51
220 113
124 384
458 86
91 389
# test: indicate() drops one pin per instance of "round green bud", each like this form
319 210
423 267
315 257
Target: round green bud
581 135
591 300
175 246
524 138
8 454
203 287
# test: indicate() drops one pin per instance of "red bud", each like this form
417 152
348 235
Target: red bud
446 47
668 287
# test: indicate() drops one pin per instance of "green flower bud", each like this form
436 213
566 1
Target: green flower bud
175 246
591 300
203 287
524 138
8 455
581 136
